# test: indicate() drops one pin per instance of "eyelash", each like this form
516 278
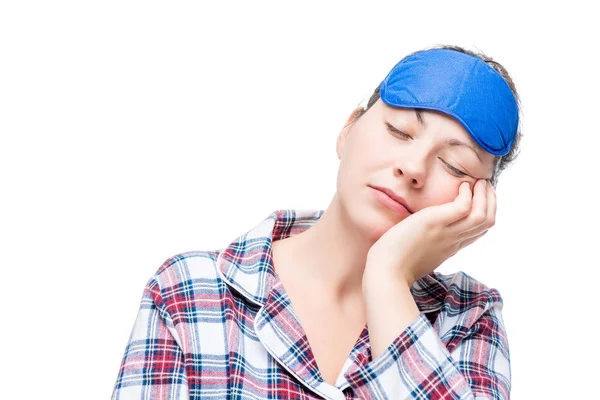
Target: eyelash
396 132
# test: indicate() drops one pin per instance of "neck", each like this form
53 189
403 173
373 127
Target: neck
330 256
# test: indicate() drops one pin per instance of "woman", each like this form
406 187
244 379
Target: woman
346 303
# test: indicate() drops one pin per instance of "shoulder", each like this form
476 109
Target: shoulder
465 302
469 309
188 288
186 274
463 290
188 265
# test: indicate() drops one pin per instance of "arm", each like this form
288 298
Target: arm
474 364
153 364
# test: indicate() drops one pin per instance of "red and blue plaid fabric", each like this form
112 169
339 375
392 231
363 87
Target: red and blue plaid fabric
219 324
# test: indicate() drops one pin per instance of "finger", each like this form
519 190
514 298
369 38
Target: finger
468 241
490 219
457 209
492 202
478 213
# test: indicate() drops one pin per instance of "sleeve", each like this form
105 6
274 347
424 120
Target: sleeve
153 364
417 365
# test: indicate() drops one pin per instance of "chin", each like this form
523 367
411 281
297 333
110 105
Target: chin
374 221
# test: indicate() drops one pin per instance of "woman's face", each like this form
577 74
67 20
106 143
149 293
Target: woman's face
421 167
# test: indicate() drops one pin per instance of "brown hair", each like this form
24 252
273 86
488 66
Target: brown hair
500 162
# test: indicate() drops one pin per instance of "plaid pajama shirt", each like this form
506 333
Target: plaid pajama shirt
219 324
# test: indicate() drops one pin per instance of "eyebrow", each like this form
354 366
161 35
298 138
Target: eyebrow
448 141
420 117
455 142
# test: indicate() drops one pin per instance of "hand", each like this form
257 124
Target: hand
421 242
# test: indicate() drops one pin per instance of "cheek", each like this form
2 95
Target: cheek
443 191
358 159
349 167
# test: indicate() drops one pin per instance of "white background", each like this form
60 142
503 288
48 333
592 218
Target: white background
132 131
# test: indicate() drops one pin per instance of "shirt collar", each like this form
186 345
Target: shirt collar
246 264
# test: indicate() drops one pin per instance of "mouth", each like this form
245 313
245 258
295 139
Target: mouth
390 194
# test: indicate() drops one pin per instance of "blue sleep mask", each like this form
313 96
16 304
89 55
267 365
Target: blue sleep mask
460 85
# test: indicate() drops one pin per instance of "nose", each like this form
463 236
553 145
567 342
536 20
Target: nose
411 166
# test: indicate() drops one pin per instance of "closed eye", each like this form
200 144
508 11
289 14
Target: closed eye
458 172
396 131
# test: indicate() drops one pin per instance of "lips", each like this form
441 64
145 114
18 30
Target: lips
394 196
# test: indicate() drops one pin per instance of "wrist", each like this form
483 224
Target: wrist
378 280
378 274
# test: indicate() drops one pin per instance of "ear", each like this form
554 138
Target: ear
341 139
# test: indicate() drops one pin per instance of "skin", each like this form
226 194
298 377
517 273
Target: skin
364 257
